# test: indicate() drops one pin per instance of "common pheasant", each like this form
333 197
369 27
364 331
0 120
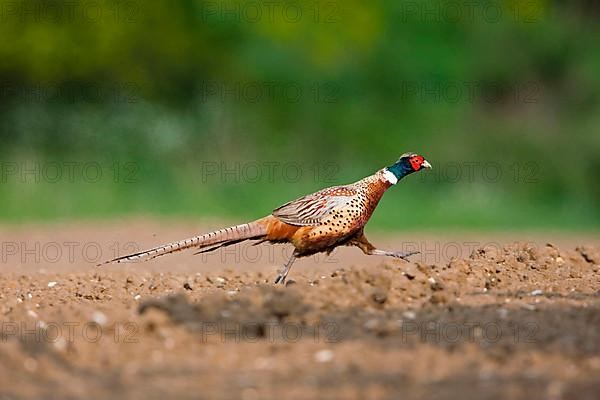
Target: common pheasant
318 222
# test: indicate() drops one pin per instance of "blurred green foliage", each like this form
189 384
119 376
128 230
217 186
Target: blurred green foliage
163 90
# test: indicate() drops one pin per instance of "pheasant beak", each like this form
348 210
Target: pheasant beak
426 164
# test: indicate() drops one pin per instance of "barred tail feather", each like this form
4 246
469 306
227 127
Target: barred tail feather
222 237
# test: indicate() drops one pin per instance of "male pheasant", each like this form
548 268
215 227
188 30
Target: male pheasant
318 222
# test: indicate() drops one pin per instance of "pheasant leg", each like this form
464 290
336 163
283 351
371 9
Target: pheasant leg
362 243
285 270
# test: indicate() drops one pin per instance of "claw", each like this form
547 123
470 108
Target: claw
280 276
404 256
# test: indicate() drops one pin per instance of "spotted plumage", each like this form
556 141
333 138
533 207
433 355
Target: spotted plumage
318 222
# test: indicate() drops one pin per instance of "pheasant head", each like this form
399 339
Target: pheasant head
406 165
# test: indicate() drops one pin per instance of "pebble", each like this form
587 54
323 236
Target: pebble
60 344
379 296
52 284
409 314
371 324
536 292
324 356
99 317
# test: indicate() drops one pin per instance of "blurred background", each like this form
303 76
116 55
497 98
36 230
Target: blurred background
227 109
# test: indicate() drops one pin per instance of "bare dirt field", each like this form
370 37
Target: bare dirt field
474 316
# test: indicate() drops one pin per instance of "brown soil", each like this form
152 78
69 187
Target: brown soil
513 319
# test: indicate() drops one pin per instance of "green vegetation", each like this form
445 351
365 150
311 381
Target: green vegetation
164 98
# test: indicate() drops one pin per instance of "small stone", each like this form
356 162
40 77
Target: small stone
99 317
187 286
379 296
409 276
323 356
371 324
60 344
409 314
536 292
529 307
52 284
438 298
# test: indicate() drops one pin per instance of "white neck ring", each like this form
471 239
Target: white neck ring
390 177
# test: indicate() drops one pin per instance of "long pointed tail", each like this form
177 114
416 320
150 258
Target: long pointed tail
222 237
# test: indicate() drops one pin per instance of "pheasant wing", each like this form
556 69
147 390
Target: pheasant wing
311 209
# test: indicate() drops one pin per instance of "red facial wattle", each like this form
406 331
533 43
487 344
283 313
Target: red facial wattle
416 162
